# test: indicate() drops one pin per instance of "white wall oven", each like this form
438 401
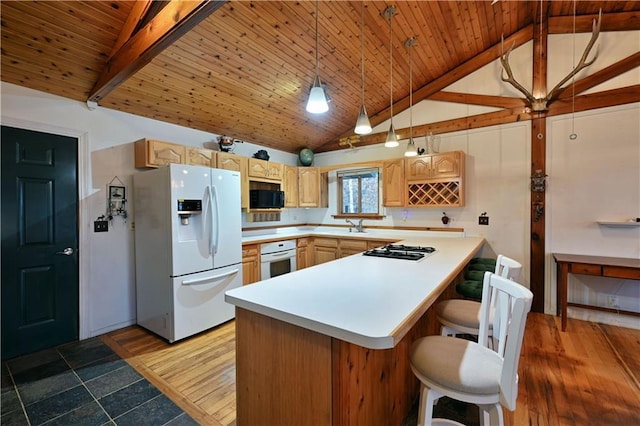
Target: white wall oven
277 258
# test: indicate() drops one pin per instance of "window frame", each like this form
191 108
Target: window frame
351 172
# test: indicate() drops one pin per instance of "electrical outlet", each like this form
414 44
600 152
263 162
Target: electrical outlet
483 220
100 226
612 301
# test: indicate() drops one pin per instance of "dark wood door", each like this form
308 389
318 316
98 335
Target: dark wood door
39 241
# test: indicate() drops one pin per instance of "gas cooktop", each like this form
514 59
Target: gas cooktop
400 251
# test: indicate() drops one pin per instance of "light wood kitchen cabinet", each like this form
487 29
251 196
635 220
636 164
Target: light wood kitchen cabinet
393 183
228 161
313 187
201 157
325 249
250 264
418 168
290 186
263 169
446 165
435 180
155 153
349 247
304 253
434 166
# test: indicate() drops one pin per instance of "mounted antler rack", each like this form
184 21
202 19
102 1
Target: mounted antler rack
542 104
350 141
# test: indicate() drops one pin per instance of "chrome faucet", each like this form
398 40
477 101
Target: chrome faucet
357 227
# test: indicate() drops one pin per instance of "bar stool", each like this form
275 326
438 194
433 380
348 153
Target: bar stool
469 371
459 316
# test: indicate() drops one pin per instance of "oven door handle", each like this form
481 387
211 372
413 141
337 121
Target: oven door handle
284 253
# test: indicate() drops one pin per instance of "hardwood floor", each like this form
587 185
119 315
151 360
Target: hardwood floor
589 374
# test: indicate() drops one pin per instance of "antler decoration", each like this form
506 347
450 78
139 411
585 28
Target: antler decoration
541 104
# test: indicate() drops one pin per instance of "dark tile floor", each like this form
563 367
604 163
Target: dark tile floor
82 383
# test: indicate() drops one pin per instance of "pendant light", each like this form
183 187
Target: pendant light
317 102
363 126
411 150
392 138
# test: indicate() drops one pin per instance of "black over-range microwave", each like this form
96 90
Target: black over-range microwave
266 199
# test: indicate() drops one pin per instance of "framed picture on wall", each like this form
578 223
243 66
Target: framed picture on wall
117 193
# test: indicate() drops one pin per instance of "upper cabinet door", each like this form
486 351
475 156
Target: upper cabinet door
309 188
290 184
445 165
201 157
394 186
262 169
418 168
155 153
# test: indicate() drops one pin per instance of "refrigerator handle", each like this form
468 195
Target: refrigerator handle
209 218
207 215
216 220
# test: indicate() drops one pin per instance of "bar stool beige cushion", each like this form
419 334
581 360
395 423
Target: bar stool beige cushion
459 316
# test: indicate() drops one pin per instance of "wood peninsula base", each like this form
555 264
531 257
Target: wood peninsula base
613 267
289 375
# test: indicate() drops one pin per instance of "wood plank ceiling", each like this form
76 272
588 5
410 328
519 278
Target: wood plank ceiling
245 70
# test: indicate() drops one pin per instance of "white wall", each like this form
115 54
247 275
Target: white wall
606 155
593 178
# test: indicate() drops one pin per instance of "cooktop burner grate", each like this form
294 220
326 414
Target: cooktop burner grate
400 251
402 247
394 254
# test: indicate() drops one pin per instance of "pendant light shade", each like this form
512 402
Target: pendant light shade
392 138
411 150
363 126
318 101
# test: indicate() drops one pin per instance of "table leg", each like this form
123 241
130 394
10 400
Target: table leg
561 291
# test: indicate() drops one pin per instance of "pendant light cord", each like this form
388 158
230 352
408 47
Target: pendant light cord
362 51
317 67
573 83
391 12
410 44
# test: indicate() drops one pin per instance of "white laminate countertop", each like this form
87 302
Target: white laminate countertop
367 301
292 232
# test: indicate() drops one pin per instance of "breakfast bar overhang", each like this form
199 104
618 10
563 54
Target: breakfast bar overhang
328 345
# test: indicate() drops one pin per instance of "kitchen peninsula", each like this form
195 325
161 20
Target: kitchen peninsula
328 345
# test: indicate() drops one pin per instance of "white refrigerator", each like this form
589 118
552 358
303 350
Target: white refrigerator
188 248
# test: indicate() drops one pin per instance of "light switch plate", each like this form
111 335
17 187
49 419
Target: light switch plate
483 220
100 226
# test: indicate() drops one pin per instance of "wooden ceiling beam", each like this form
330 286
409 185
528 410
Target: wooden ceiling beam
623 21
176 19
137 14
613 70
606 98
474 99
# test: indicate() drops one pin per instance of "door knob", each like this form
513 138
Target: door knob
67 252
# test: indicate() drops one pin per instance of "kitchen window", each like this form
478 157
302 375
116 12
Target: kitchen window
359 192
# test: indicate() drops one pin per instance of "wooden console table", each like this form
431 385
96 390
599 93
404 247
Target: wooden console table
613 267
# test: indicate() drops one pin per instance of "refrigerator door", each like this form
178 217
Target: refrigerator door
198 300
190 251
226 230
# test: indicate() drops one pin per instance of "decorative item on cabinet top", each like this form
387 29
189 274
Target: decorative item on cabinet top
227 143
306 157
